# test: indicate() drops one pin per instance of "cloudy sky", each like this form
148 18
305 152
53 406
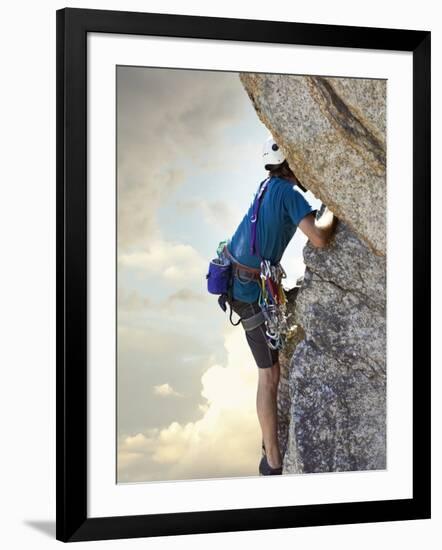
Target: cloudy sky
189 161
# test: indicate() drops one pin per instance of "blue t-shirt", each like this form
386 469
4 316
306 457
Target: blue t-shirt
282 208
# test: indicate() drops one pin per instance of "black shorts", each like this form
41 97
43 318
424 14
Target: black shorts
265 357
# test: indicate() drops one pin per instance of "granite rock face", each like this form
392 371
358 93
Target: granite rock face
332 394
337 373
332 132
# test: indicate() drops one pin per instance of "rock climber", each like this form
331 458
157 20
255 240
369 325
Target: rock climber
282 209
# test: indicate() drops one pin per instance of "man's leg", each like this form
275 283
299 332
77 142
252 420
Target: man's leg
268 380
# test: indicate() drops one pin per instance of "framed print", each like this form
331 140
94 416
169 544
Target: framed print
243 274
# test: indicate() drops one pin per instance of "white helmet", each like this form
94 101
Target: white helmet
271 153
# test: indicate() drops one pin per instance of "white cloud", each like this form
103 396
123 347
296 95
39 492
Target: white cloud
215 213
224 442
176 262
165 390
185 295
132 300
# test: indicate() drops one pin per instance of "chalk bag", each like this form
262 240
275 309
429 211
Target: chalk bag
218 277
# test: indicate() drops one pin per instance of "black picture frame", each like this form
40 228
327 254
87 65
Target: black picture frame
72 521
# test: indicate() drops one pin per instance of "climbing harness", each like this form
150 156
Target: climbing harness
244 272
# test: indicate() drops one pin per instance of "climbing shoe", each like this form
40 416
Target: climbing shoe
266 470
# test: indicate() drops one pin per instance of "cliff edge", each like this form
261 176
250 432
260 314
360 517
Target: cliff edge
332 394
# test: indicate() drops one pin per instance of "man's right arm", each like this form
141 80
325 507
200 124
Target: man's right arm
319 231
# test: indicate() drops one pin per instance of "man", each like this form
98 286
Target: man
282 209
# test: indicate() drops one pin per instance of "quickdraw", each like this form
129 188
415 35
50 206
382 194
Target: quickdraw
273 304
